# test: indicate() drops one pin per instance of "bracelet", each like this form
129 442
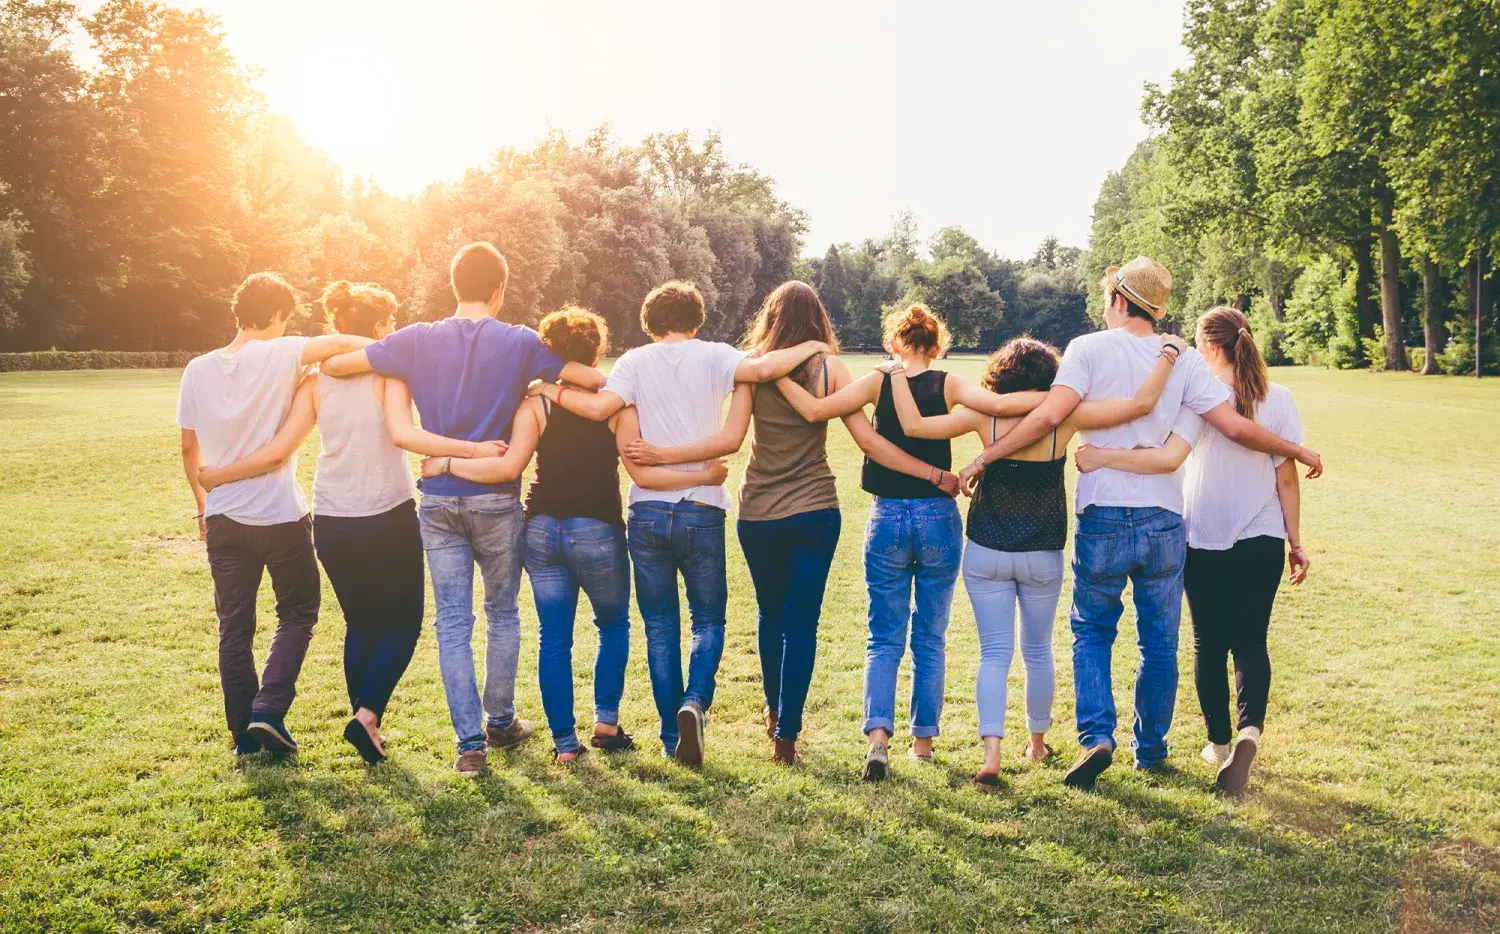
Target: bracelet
979 461
1170 352
560 391
447 463
199 517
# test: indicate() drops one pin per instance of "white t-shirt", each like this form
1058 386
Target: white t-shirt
1112 365
678 391
235 405
1231 490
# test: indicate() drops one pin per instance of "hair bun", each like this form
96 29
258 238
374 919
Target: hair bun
338 297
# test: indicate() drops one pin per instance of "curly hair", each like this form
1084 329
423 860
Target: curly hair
575 334
357 309
1021 364
918 330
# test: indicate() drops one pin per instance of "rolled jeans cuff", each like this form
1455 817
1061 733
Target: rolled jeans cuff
567 742
471 743
879 723
987 730
1039 726
612 717
924 732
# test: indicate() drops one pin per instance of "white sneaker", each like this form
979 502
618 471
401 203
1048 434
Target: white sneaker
1215 753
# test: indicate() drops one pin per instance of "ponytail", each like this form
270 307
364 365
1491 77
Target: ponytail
1229 330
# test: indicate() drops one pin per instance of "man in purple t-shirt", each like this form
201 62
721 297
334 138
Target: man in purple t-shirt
468 375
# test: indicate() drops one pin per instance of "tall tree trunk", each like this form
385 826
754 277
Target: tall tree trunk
1390 286
1364 282
1434 317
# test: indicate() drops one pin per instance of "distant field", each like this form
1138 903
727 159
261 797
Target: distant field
1376 804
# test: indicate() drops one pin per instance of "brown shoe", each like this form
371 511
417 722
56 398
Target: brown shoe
1091 762
786 752
470 763
519 732
768 716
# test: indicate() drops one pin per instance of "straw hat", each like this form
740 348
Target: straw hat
1145 282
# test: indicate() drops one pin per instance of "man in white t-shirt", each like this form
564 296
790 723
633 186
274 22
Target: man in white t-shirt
1130 526
232 401
678 384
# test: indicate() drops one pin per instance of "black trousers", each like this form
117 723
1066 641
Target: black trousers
1230 595
375 566
238 556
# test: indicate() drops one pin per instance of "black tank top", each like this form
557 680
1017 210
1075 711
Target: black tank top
1021 505
576 470
927 390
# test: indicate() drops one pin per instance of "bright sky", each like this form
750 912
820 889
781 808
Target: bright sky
1002 117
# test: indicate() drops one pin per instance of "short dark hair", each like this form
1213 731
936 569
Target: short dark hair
575 334
1021 364
672 308
478 270
261 299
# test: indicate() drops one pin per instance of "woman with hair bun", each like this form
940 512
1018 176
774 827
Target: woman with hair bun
1243 512
575 531
912 541
1018 525
364 513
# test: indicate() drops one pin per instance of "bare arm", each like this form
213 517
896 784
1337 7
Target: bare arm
1289 492
299 423
1059 404
847 400
628 430
419 441
595 406
880 450
1107 413
777 363
505 468
1165 459
949 425
1248 434
725 441
583 375
959 390
341 354
192 463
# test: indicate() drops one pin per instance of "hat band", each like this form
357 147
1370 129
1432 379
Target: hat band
1124 286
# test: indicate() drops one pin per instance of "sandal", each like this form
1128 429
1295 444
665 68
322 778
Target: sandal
928 757
770 719
619 741
1048 756
576 753
987 783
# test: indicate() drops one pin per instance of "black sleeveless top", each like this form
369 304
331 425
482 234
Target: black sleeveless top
576 470
927 390
1021 505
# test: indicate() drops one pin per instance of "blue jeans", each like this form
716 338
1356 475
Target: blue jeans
789 560
910 545
457 533
1147 546
998 582
666 538
562 557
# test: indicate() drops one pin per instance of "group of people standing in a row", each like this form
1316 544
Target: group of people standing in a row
492 396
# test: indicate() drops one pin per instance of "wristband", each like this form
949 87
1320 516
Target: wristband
560 391
447 463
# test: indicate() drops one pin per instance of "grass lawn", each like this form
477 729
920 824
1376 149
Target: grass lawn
1376 804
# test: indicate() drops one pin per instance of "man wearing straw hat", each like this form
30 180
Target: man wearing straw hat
1130 526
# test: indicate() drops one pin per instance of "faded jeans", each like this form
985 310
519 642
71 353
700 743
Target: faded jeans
457 533
564 556
912 552
997 582
666 538
1146 546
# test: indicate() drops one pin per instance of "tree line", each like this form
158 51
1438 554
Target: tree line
135 194
1331 167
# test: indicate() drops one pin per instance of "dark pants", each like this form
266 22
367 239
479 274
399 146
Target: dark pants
789 560
1230 594
238 555
375 566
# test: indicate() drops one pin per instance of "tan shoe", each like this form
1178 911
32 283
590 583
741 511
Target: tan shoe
518 732
470 763
786 752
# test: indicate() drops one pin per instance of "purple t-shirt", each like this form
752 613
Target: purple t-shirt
467 379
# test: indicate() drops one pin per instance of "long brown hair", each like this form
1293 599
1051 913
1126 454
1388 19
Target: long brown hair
357 309
917 329
791 314
1229 330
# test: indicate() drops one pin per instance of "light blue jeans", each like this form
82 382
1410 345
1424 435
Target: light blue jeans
997 582
1147 547
912 550
457 533
562 557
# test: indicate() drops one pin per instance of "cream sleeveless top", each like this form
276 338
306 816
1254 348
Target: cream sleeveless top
361 472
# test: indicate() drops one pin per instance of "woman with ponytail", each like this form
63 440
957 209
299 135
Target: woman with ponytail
1243 512
364 513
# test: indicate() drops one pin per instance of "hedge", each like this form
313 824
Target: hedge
95 360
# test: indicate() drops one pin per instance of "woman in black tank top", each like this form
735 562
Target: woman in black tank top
575 532
1018 524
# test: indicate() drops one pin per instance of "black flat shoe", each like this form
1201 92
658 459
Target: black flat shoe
619 741
358 737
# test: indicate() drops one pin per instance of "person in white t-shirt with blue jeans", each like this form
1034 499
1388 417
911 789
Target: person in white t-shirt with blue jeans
1243 511
1130 526
231 402
678 384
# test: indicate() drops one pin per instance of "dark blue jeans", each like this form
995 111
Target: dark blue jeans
789 560
1147 547
562 557
375 566
667 538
